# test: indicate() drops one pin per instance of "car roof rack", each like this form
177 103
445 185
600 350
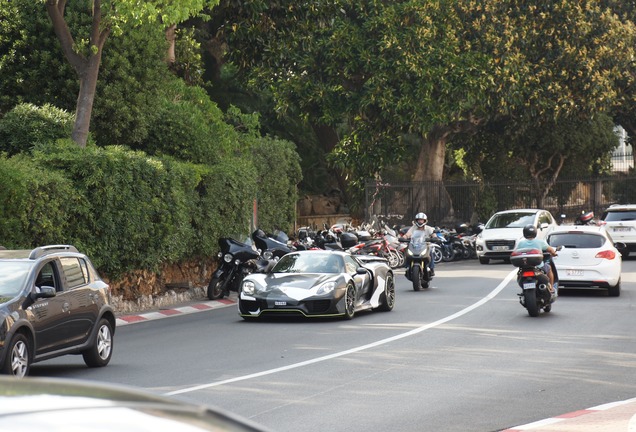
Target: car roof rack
44 250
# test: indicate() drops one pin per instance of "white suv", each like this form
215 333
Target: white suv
620 222
500 234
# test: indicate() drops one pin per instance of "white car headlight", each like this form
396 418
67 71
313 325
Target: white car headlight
326 288
249 287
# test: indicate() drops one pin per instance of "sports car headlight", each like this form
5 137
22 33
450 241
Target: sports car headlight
228 258
326 288
249 288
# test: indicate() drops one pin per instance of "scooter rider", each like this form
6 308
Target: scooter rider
530 241
420 225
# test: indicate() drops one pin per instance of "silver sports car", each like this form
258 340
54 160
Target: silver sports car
319 283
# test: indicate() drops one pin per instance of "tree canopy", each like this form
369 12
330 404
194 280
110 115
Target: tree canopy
375 71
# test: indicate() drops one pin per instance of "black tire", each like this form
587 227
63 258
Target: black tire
350 302
18 360
448 254
530 302
101 350
483 260
614 291
436 254
387 299
215 288
416 278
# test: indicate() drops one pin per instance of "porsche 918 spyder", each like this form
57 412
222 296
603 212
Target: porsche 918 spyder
319 284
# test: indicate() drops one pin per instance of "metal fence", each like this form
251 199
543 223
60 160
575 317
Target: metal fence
450 203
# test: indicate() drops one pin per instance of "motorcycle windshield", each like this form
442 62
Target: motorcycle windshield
418 241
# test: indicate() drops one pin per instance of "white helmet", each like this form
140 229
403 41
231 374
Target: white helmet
421 216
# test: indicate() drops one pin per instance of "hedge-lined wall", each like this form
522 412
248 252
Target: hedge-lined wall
128 210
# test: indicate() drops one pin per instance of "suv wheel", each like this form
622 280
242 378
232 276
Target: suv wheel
483 260
18 361
101 350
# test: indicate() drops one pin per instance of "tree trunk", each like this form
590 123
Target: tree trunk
84 108
328 139
171 36
87 69
430 195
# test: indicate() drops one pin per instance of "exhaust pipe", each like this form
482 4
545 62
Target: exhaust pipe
543 287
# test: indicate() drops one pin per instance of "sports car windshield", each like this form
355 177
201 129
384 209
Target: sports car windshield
310 262
511 220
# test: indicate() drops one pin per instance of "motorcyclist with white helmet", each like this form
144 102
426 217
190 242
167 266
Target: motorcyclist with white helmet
420 225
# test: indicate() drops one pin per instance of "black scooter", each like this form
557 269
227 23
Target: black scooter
417 260
236 260
535 294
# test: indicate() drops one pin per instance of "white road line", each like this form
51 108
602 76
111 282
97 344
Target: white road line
437 323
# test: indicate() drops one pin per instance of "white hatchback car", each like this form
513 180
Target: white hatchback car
589 258
500 234
620 222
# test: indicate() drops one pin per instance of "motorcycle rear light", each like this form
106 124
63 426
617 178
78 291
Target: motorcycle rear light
608 254
528 273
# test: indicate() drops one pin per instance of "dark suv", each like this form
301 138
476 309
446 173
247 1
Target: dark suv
52 303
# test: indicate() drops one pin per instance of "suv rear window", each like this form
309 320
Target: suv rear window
619 215
576 240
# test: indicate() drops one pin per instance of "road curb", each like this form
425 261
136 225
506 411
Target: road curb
166 313
610 417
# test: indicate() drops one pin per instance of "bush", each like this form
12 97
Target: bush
35 204
27 126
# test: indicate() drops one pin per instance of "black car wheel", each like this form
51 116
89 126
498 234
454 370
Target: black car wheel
388 297
350 302
215 289
101 350
18 361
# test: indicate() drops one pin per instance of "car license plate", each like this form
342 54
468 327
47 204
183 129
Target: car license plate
621 229
529 285
573 272
280 303
500 248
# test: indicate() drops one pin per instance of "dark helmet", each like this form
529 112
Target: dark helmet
529 231
421 216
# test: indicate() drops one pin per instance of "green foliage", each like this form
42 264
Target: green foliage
32 67
27 125
279 173
34 204
189 126
129 91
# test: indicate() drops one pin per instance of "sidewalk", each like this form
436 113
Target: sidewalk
612 417
177 310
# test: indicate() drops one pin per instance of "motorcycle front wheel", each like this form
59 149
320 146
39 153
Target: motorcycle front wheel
530 302
216 288
415 277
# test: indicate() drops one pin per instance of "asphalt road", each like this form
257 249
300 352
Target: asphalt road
461 356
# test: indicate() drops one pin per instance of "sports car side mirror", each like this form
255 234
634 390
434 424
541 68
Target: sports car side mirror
361 270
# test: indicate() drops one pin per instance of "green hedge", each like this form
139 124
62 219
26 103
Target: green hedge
129 210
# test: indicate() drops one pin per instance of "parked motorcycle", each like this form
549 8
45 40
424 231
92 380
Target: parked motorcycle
271 247
236 260
535 294
418 259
